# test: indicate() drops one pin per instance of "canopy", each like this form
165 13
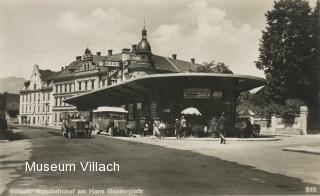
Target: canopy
134 90
191 111
110 109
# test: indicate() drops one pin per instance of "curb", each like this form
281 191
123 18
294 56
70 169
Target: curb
200 139
301 150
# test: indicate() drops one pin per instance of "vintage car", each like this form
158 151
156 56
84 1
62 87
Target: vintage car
76 128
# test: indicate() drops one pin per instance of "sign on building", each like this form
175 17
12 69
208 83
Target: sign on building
112 64
197 93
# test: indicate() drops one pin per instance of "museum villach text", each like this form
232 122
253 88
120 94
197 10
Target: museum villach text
89 166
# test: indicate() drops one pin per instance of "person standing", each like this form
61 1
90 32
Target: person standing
162 128
183 126
156 127
213 126
142 124
177 128
221 125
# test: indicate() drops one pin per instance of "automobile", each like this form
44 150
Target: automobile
76 128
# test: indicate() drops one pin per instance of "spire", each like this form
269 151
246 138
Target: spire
144 31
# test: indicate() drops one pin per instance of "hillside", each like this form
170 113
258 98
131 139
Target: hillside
11 84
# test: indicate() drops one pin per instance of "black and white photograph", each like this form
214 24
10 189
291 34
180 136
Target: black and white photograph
164 98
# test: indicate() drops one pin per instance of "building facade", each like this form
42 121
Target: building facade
91 73
36 98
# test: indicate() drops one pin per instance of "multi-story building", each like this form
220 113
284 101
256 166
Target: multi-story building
86 73
36 98
91 72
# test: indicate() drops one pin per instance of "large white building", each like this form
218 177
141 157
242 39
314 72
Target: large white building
36 98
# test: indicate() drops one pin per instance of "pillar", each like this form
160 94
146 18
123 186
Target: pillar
303 119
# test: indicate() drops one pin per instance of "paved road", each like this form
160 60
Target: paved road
154 169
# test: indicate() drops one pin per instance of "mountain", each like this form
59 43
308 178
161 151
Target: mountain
11 84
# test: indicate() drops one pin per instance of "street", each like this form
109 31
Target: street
154 169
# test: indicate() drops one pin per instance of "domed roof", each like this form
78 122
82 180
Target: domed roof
144 45
87 52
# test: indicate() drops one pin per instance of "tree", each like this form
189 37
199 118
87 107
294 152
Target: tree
214 67
286 53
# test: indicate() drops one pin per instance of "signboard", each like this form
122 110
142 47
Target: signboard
112 64
197 93
216 94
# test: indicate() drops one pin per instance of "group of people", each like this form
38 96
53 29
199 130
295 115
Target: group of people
182 128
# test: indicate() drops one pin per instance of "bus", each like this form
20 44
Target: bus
112 120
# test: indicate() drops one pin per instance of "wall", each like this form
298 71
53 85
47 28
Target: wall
295 124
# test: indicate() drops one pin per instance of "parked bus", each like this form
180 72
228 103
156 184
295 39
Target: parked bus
112 120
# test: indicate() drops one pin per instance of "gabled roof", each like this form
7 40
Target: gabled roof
173 65
46 74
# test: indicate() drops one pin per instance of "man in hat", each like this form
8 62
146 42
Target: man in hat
221 125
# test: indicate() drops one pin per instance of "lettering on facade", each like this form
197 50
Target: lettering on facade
216 94
196 93
110 63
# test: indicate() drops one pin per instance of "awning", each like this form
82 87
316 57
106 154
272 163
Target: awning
131 91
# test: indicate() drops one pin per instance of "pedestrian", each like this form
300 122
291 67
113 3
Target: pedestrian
183 125
162 128
212 126
177 128
142 124
110 128
156 127
221 125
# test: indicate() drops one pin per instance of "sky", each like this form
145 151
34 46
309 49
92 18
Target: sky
51 33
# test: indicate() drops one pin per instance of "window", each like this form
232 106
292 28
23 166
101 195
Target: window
65 88
43 96
60 101
103 82
34 97
48 96
92 84
86 85
34 86
79 83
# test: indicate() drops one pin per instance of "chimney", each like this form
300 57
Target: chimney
193 60
125 50
98 53
109 52
62 68
78 58
174 56
134 47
